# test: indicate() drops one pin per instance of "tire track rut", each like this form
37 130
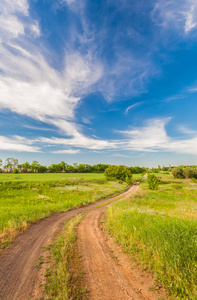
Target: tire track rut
109 273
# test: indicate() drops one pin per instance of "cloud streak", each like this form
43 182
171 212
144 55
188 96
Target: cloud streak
17 144
154 138
132 106
181 15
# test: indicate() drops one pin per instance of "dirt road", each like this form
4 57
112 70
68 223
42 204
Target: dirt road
109 273
18 273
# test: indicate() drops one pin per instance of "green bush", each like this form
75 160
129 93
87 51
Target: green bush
15 171
190 173
178 173
153 182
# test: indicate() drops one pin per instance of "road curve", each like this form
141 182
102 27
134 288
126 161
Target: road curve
109 273
18 273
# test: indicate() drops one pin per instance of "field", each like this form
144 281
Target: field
48 176
158 229
26 198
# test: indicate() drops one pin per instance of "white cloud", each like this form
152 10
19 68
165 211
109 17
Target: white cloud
181 15
68 151
29 85
11 26
153 138
79 141
17 144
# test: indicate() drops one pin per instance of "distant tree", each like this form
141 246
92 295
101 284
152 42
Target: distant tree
137 170
152 181
75 167
11 163
34 166
41 169
165 168
64 166
99 168
1 162
25 167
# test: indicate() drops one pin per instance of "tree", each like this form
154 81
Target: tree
25 167
11 163
118 172
34 166
153 182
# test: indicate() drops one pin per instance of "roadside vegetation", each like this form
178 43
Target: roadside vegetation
158 228
64 278
24 202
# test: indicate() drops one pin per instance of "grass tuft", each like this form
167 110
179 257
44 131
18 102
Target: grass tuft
65 278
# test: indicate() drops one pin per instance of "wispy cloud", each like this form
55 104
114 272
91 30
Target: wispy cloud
180 15
17 144
29 84
82 142
132 106
68 151
153 137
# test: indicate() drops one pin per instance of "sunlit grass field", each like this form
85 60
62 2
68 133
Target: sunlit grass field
48 176
159 230
36 196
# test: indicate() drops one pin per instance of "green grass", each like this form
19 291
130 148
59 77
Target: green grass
24 202
48 176
64 279
159 229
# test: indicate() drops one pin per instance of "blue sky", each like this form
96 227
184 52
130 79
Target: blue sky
99 81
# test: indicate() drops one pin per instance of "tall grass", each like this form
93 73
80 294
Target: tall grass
151 231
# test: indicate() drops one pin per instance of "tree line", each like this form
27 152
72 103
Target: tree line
11 165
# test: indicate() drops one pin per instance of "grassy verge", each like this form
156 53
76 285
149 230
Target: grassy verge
159 229
64 280
22 203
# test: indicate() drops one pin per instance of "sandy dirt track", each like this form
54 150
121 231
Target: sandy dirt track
18 272
109 273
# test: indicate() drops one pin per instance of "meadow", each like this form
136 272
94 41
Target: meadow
26 198
158 229
48 176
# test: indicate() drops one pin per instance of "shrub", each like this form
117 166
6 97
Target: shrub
15 171
153 182
178 173
190 173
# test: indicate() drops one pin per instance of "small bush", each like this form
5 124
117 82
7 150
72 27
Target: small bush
153 182
15 171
